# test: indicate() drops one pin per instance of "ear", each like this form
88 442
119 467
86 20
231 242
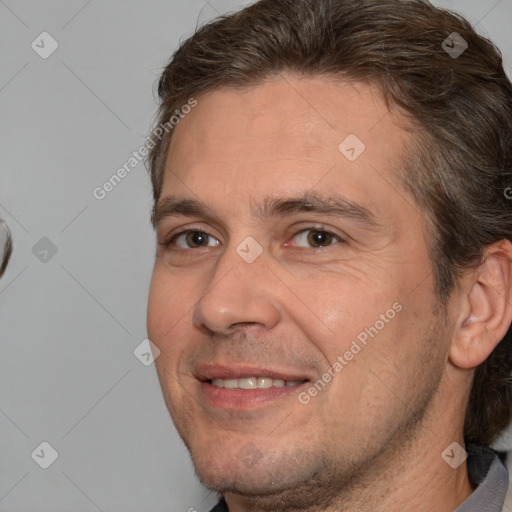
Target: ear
485 307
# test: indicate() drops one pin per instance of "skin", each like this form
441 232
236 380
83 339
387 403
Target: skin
372 438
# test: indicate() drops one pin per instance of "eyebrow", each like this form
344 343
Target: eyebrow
332 204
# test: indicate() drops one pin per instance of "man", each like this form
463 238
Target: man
332 291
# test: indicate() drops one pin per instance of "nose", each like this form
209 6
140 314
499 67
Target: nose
237 294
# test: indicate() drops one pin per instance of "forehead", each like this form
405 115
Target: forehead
317 110
287 132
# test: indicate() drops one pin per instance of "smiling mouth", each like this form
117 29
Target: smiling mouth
254 383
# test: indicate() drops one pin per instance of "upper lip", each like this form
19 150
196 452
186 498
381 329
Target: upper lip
239 371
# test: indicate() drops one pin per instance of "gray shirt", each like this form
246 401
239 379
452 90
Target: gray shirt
487 474
490 477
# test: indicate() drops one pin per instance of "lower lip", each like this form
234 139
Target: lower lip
246 398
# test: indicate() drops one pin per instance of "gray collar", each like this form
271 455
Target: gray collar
485 470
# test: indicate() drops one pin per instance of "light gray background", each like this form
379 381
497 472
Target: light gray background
69 325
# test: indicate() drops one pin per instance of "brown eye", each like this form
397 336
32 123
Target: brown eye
196 238
191 239
319 238
315 238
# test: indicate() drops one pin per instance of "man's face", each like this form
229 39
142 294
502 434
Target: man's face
284 293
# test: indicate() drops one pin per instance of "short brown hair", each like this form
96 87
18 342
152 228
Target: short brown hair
461 162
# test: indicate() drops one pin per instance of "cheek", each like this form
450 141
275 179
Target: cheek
168 302
164 326
334 308
166 330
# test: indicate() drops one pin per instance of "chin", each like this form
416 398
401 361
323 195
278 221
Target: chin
270 487
240 468
226 468
244 483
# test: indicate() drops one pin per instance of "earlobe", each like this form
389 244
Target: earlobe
486 308
472 345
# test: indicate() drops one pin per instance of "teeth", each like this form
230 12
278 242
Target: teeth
231 383
253 383
248 383
265 382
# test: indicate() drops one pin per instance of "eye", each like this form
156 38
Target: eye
316 237
192 239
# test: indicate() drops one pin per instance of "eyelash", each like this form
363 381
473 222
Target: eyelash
168 243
